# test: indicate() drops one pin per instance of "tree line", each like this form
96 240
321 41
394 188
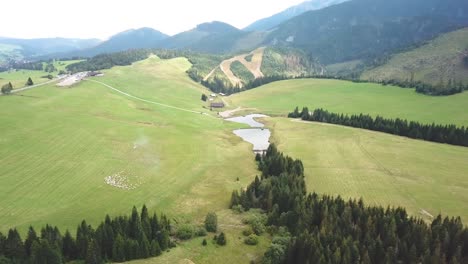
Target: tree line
326 229
218 85
118 239
107 61
448 134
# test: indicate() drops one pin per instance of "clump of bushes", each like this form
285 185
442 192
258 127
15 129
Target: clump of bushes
251 240
185 232
211 222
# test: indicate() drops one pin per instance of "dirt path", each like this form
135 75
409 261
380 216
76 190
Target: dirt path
33 86
254 66
209 74
148 101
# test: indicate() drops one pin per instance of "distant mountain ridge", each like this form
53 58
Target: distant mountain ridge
362 29
43 46
129 39
214 37
276 19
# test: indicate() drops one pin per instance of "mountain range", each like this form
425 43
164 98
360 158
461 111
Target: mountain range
268 23
329 31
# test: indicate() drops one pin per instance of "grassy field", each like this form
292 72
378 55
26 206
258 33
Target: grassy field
280 98
440 59
235 252
18 78
58 145
382 168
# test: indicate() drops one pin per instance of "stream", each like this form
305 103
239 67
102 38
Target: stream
257 135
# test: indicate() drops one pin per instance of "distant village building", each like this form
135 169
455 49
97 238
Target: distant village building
221 94
217 105
213 95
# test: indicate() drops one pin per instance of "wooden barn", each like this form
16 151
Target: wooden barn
217 105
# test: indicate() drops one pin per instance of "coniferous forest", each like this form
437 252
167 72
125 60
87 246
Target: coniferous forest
449 134
116 239
326 229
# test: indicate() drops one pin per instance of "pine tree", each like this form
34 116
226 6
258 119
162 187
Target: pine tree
43 253
69 247
221 239
155 248
32 236
93 254
211 222
118 250
145 222
29 82
14 247
144 250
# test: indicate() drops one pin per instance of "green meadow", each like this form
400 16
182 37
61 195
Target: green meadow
424 177
18 78
59 145
76 153
280 98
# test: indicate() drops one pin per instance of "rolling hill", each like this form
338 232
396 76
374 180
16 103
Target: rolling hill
280 98
130 39
440 60
276 19
363 29
11 48
214 37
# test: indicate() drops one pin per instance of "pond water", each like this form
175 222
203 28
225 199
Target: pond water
248 120
258 136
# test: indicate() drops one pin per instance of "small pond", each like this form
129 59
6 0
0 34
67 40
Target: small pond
258 136
248 120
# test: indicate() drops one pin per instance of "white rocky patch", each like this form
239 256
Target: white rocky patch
121 181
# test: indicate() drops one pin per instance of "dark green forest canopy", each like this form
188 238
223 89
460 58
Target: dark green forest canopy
449 134
119 239
326 229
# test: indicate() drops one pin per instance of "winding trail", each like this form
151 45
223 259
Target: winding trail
33 86
148 101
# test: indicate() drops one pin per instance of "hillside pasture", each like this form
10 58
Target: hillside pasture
424 177
87 151
280 98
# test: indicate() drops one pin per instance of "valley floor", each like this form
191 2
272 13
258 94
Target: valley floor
90 150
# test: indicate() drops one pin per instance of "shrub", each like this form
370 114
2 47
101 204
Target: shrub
204 243
185 232
211 222
221 240
247 232
201 232
257 226
251 240
6 89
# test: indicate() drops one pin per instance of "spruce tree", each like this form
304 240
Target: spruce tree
211 222
29 82
14 247
221 239
118 250
93 254
32 236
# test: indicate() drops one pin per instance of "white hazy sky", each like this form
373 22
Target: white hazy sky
101 19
